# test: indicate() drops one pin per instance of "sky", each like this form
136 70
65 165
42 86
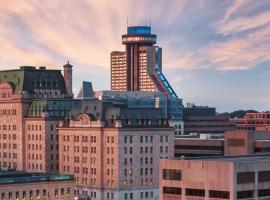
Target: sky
215 53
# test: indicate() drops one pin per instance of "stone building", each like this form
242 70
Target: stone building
113 149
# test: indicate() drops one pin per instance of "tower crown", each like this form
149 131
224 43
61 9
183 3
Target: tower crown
139 35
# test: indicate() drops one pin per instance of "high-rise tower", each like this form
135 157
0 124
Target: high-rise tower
139 68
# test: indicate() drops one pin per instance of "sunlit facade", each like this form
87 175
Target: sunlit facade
139 68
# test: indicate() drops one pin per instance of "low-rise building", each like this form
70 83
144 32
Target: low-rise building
253 121
22 185
229 177
198 146
204 119
237 142
246 142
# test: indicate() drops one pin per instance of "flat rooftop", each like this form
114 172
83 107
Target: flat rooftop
15 177
236 159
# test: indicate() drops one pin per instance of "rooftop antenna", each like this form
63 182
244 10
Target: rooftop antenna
150 23
127 22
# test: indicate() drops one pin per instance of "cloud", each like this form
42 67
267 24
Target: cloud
244 23
235 6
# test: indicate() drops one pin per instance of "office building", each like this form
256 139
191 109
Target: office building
198 146
246 142
229 177
203 119
112 146
22 185
253 121
233 143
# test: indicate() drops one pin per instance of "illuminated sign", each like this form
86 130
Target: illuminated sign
139 30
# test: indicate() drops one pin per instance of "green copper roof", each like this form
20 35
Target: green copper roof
14 76
29 79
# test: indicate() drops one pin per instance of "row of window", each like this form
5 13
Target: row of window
8 112
8 127
197 192
37 194
196 147
92 139
8 146
249 177
8 155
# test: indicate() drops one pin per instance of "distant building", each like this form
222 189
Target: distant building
113 147
229 177
253 121
198 146
203 119
118 71
139 68
21 185
233 143
247 142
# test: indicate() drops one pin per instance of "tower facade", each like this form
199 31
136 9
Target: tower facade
68 77
142 69
118 71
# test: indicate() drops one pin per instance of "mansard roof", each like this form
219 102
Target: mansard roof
29 79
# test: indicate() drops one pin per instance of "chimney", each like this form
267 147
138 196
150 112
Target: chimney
68 77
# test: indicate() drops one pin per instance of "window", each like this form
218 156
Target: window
245 194
245 177
263 176
56 192
195 192
44 193
172 190
172 174
219 194
264 193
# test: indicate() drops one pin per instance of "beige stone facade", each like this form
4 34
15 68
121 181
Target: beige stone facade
114 162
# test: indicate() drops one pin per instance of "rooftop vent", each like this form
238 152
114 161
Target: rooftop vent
42 68
27 67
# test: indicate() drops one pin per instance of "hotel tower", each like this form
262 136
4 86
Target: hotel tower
139 68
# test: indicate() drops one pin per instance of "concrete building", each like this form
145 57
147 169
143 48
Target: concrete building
203 119
32 103
247 142
253 121
194 146
21 185
230 177
113 149
235 142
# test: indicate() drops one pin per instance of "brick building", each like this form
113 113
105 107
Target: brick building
253 121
